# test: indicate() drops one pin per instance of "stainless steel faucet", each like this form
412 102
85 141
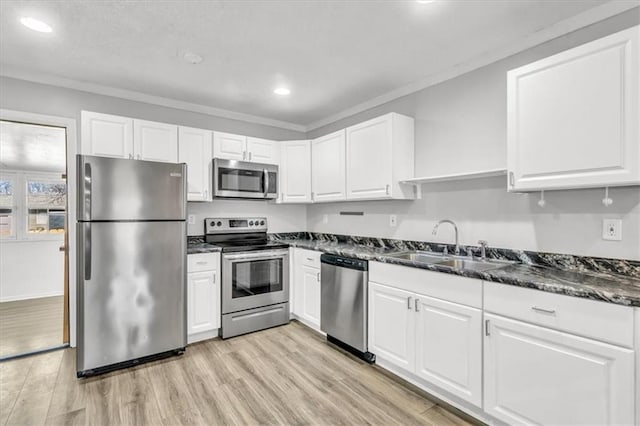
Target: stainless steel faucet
455 228
483 249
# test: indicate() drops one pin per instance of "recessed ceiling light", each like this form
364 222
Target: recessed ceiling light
35 24
282 91
192 58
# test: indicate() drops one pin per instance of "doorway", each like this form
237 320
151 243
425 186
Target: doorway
34 279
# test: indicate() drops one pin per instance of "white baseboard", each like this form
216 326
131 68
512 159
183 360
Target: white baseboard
30 296
205 335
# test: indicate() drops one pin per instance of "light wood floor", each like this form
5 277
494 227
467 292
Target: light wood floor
285 375
29 325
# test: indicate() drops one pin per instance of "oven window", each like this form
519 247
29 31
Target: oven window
255 277
240 180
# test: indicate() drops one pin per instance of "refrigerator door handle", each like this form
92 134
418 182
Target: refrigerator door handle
87 191
265 179
87 251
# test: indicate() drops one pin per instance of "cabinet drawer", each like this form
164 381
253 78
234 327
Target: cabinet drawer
203 262
598 320
309 258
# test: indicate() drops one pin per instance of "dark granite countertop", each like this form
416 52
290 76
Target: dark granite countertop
601 285
197 245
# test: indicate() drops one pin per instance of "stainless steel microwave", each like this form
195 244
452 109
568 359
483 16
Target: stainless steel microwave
242 179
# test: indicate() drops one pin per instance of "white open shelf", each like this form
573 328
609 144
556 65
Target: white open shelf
417 182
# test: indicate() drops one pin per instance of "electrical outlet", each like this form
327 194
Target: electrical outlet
192 219
393 220
612 229
325 218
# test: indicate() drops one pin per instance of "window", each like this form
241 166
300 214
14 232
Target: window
32 206
46 201
7 207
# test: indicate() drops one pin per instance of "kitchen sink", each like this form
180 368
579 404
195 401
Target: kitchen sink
453 262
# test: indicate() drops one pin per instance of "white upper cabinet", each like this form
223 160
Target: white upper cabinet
229 146
380 154
155 141
106 135
263 150
295 172
573 117
245 148
534 375
194 148
328 167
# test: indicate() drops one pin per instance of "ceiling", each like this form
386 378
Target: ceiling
31 147
333 55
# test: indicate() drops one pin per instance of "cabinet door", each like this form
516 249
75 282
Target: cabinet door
106 135
449 347
194 148
155 141
263 151
573 117
328 167
295 172
392 325
534 375
311 295
203 294
229 146
369 159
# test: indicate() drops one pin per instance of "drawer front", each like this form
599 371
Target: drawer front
450 287
309 257
203 262
598 320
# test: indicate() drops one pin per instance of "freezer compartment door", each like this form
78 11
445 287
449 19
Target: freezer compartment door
131 291
117 189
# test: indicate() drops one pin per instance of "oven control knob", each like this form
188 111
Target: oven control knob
219 223
212 224
262 222
251 223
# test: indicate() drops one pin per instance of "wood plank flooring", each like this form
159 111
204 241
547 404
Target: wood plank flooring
285 375
30 325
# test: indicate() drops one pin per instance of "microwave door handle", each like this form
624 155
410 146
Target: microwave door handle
265 180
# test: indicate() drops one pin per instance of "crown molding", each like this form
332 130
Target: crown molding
43 78
558 29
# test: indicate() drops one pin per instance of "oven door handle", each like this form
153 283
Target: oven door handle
265 181
256 255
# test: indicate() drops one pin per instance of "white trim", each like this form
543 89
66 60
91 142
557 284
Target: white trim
558 29
44 78
455 176
36 296
203 335
72 149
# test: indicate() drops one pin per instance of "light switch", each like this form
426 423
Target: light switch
192 219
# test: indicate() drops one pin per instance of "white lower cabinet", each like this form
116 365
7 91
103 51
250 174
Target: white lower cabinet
391 325
306 287
203 296
535 375
449 347
437 340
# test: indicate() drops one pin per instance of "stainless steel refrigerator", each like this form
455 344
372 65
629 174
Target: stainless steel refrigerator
131 260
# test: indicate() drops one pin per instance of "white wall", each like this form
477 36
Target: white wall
31 269
461 126
280 218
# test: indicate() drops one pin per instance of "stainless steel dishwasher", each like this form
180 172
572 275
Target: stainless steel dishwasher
343 312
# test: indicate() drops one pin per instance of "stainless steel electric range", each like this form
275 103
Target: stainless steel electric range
255 275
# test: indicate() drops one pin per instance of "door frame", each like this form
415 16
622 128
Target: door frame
72 149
